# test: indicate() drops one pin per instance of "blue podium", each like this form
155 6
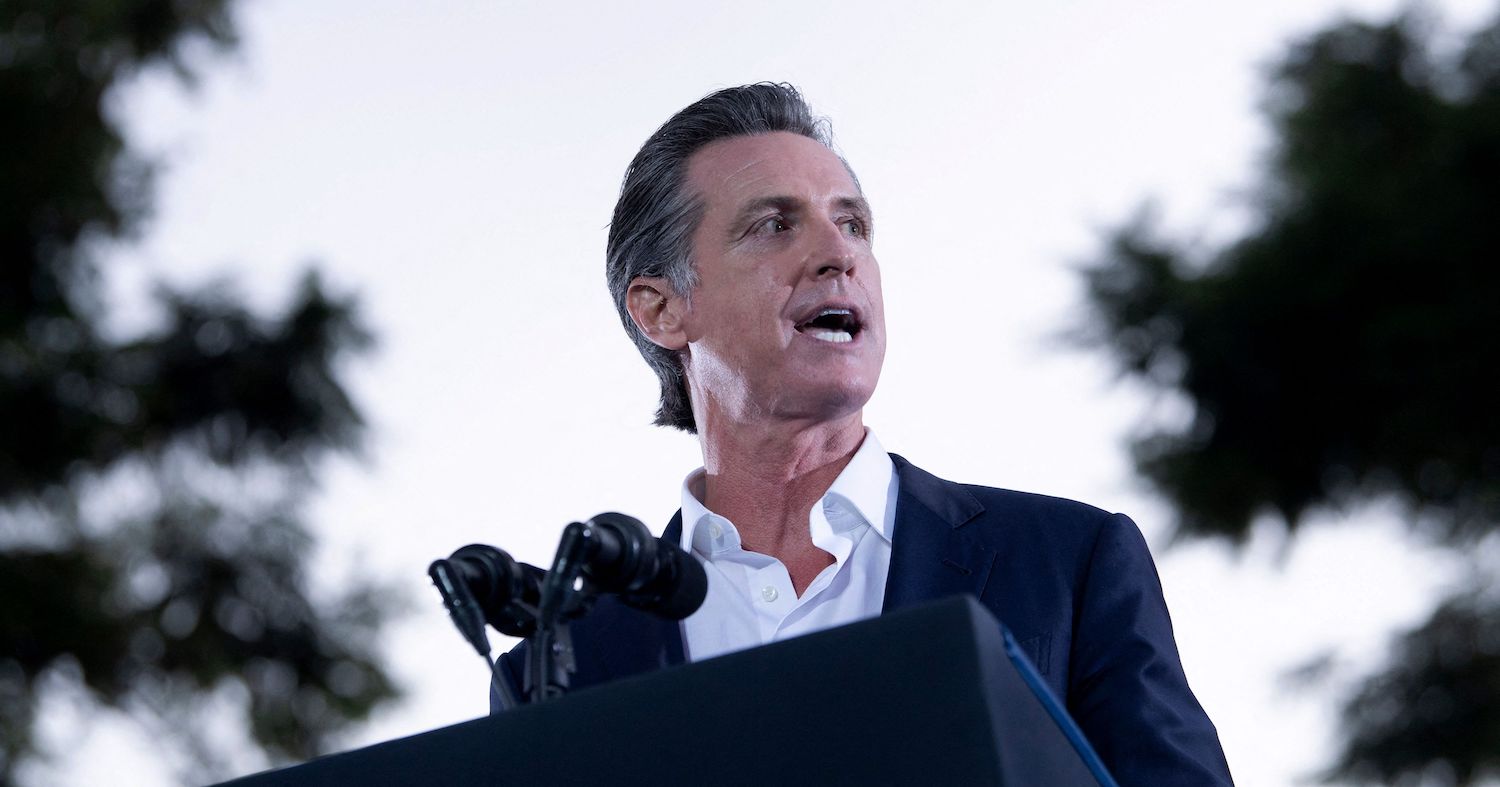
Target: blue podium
934 694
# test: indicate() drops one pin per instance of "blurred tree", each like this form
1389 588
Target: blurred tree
151 551
1346 348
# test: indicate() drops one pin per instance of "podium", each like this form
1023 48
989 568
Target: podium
932 694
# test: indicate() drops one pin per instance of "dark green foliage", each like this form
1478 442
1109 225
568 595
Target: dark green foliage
1347 347
151 548
1434 711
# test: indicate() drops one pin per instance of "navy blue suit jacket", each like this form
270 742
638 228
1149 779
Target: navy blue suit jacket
1076 586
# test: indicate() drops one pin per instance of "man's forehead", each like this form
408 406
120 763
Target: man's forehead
746 168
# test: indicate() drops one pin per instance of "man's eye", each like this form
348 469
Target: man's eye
775 224
855 227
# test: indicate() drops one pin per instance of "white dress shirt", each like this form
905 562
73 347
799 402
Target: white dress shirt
750 596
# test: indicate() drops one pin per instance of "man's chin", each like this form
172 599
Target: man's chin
825 403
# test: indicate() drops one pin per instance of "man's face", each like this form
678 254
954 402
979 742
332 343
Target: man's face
787 320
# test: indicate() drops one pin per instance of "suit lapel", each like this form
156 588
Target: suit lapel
670 650
931 554
626 642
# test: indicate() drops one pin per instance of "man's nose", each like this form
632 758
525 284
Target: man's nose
833 252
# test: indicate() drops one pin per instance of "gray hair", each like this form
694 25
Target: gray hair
651 233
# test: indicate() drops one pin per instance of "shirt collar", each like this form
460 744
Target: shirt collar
697 528
864 486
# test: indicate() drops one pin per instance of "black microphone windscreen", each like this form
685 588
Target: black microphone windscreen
502 587
621 558
682 588
691 591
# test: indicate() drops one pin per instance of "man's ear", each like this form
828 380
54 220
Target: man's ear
657 310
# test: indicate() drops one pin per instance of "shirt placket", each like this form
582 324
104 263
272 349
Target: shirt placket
773 596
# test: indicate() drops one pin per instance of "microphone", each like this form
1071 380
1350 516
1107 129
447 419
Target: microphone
611 553
621 556
656 576
504 591
482 584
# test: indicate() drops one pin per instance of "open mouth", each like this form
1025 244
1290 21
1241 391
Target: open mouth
831 325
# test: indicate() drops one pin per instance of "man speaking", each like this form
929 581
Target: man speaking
741 259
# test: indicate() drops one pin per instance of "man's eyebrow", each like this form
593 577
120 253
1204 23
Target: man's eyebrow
788 204
751 208
856 205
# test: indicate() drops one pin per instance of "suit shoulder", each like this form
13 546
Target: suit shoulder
1007 511
1057 521
1031 504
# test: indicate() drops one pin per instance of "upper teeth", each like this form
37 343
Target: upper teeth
837 336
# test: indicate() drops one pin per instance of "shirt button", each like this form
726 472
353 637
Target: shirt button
715 531
768 593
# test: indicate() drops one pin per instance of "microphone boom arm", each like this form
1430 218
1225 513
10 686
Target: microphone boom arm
550 650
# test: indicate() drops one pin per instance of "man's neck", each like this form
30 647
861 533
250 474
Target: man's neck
766 479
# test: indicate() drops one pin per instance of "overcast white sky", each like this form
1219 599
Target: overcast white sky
455 164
